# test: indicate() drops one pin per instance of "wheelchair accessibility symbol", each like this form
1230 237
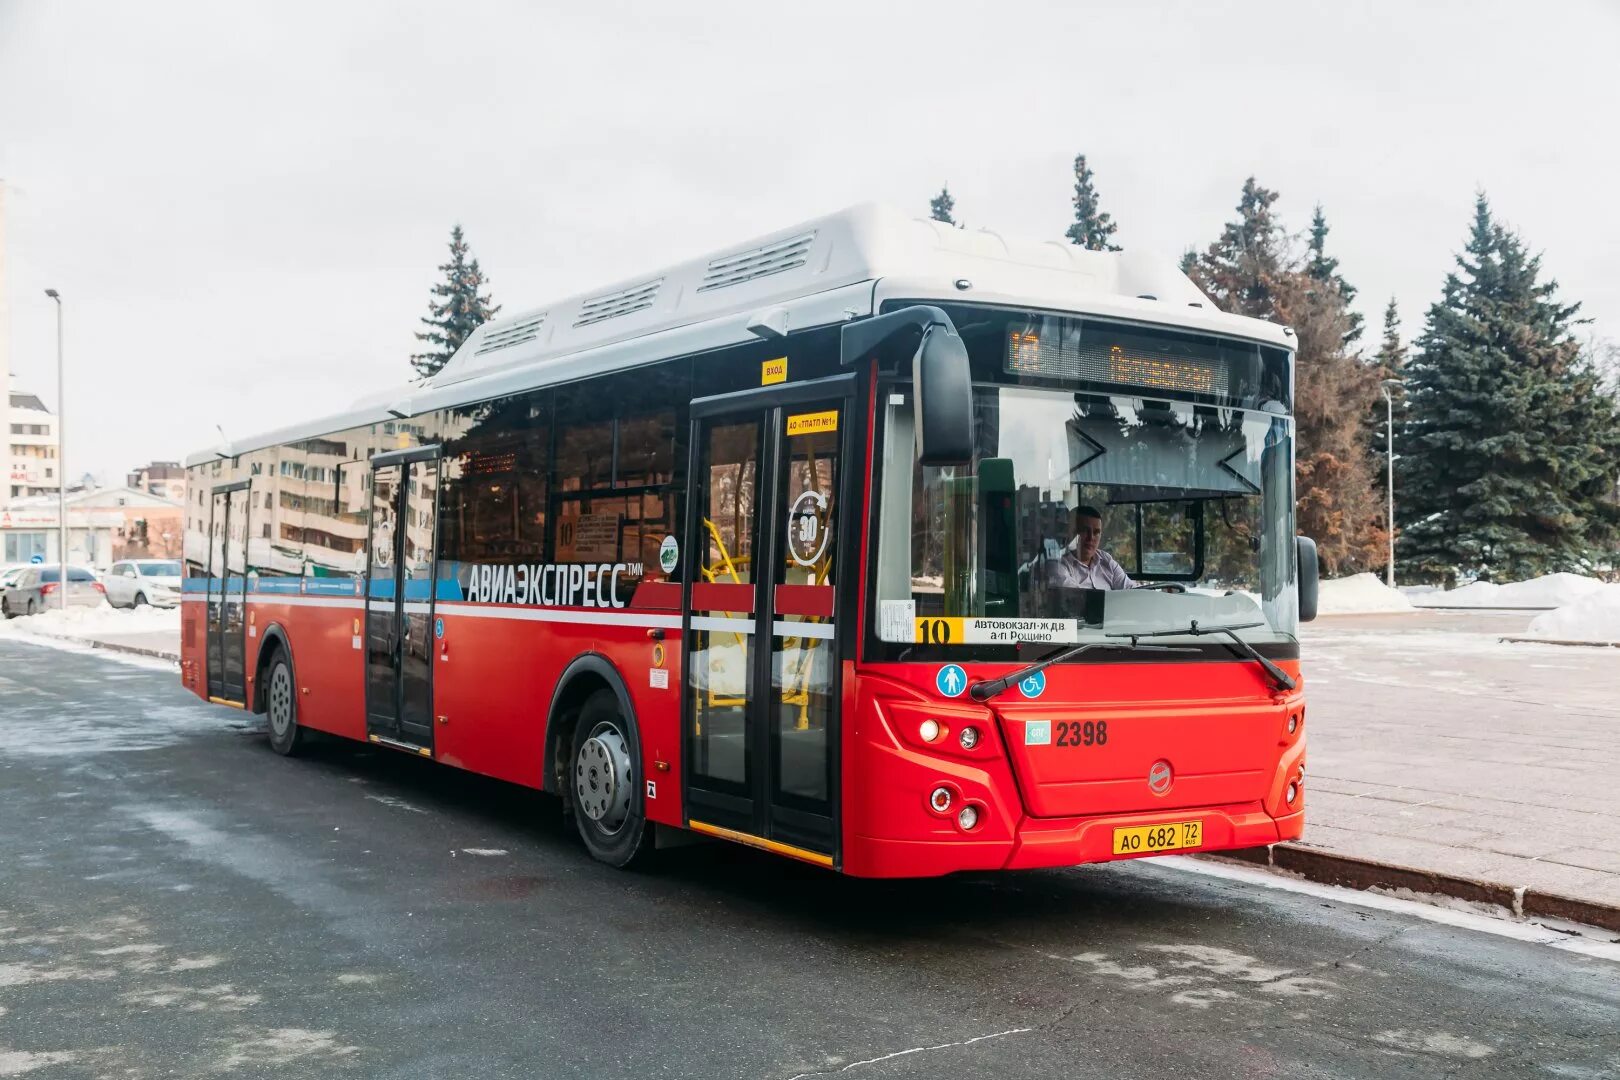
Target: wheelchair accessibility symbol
1034 685
951 680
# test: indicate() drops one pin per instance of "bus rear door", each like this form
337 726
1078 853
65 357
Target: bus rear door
228 535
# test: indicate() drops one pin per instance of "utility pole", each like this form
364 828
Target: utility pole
61 459
1389 472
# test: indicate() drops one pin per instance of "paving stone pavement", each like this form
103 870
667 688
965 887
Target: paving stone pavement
1435 746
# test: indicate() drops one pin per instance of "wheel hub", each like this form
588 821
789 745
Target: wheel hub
281 700
602 778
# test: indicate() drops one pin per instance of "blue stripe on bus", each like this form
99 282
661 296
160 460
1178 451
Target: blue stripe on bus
416 589
278 585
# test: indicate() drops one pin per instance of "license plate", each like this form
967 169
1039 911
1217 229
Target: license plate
1142 839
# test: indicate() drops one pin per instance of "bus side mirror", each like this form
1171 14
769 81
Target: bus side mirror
1305 555
942 387
941 381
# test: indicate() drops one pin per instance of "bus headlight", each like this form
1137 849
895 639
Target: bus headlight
968 737
1292 793
968 818
940 799
928 730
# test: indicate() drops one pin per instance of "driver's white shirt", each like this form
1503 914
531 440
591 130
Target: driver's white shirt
1102 573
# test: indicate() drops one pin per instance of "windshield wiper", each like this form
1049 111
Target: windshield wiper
985 689
1283 680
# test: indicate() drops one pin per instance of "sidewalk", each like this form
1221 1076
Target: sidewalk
155 643
142 632
1436 747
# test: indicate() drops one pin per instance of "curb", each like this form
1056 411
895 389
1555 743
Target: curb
1562 641
1330 868
133 650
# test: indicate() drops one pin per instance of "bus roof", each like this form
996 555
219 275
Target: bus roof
816 273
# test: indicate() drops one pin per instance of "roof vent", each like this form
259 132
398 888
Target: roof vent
772 258
513 334
614 304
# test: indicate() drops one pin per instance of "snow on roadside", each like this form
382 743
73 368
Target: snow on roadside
1594 617
97 622
1552 591
75 631
1361 594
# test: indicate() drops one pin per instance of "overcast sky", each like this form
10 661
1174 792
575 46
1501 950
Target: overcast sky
243 205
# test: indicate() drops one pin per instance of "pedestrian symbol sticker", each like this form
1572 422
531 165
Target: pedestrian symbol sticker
951 680
1033 686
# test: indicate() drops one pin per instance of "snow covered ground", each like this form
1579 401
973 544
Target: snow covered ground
1594 617
95 624
1552 591
1362 594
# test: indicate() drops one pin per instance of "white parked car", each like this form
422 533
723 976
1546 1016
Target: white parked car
138 582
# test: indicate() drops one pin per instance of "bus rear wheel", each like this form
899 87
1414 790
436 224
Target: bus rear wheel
605 785
281 708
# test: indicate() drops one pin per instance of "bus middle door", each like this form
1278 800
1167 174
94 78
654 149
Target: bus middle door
400 575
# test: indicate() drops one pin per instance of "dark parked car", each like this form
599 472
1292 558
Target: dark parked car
34 590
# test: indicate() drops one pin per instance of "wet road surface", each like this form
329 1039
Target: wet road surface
175 900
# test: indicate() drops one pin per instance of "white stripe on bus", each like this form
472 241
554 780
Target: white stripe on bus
563 615
727 624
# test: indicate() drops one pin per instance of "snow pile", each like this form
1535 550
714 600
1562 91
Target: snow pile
97 622
1362 594
1554 590
1594 617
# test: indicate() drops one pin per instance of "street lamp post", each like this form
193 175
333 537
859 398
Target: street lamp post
1389 472
61 460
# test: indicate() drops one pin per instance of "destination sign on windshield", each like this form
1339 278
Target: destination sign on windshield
1072 349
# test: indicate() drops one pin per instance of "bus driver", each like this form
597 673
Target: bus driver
1084 564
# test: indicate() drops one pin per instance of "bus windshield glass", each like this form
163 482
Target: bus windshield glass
1091 512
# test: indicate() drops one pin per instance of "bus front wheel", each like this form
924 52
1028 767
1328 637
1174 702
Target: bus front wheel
605 783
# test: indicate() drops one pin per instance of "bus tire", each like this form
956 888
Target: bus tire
281 707
604 783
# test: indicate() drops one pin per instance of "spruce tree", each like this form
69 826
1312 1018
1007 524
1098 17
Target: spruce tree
1255 269
1092 228
1325 268
1509 452
941 205
458 307
1242 269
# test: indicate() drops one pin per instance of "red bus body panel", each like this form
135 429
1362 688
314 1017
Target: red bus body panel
1219 726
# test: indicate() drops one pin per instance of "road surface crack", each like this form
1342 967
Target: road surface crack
913 1050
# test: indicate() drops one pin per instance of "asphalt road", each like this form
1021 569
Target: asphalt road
175 900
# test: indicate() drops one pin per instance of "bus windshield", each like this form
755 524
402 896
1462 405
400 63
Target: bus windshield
1088 515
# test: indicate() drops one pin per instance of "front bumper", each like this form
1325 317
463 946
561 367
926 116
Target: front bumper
1052 842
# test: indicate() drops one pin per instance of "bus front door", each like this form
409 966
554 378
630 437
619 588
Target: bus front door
764 526
400 574
227 594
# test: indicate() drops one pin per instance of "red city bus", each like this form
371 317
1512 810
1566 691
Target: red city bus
886 546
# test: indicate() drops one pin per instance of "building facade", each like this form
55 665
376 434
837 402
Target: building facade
165 479
104 525
32 465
